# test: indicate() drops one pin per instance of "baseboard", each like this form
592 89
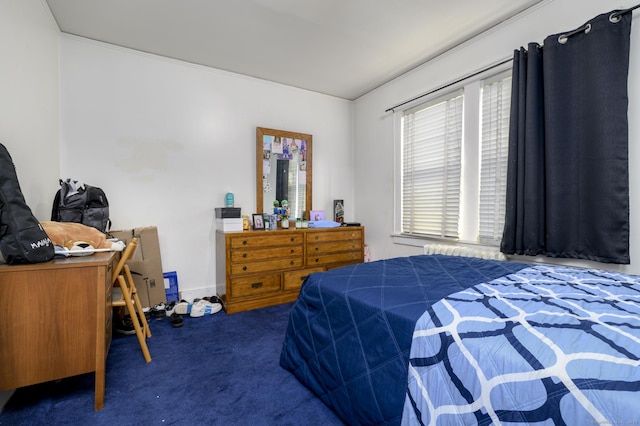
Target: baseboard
4 397
199 293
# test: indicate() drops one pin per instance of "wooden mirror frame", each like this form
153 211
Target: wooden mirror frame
262 131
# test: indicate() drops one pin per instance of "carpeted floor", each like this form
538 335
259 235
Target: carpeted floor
219 369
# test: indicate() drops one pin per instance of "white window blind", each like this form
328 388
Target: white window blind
431 167
496 103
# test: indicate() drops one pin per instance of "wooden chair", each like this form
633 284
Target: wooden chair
128 297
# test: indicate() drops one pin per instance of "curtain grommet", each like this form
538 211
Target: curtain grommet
563 38
615 17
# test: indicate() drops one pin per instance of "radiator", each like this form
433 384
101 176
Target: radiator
451 250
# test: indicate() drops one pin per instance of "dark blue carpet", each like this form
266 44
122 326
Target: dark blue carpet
219 369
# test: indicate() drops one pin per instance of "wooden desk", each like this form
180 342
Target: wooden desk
55 320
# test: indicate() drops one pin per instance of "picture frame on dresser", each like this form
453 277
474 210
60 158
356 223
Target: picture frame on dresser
258 222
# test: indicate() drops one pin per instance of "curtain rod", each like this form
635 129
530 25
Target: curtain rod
622 12
490 67
613 16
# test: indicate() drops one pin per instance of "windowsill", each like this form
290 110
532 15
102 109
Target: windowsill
416 241
420 241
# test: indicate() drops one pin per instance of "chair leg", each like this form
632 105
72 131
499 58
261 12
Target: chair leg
136 301
140 333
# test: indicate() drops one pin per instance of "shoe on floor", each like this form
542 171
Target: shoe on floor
183 307
213 299
170 308
176 320
204 307
159 311
125 326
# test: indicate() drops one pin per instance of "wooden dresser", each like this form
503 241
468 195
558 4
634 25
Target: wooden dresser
255 269
55 320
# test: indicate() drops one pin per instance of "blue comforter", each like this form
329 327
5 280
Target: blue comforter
546 345
350 330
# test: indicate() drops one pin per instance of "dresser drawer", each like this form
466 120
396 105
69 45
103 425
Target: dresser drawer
333 247
266 265
267 239
293 280
334 236
255 286
245 255
328 259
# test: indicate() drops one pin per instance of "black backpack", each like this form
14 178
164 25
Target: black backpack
81 203
22 239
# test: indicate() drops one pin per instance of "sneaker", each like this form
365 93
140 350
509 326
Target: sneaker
204 307
183 307
213 299
125 326
170 309
158 311
176 320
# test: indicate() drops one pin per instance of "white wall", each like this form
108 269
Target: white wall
167 139
29 120
374 129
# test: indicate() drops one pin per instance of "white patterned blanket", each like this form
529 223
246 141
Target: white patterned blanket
546 345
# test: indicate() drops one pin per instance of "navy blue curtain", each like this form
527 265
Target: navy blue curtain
568 179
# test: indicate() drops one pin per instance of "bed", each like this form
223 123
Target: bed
350 330
417 340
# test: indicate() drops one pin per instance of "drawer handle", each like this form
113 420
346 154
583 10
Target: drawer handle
317 248
244 243
244 255
292 263
292 239
244 268
292 251
256 285
317 237
317 260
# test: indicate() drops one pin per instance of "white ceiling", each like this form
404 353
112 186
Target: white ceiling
343 48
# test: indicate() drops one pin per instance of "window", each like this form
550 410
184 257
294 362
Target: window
453 163
496 104
431 167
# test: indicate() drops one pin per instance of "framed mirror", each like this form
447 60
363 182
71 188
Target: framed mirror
283 170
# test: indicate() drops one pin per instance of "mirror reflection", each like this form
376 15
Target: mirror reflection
283 163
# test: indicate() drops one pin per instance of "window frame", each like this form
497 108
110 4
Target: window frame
471 148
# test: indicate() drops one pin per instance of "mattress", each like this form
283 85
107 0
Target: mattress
350 330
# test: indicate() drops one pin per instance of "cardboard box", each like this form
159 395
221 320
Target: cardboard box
146 264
